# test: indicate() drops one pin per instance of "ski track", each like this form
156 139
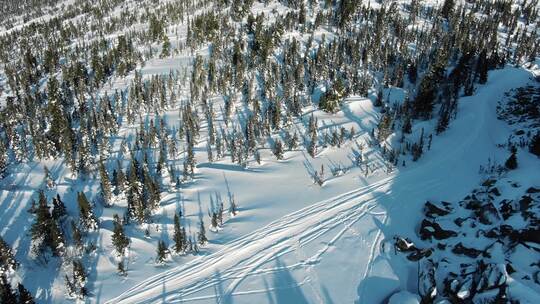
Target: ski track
244 257
270 242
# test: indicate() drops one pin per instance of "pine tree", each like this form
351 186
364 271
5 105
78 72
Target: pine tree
482 67
25 297
49 181
105 184
209 151
312 149
45 232
278 149
3 158
59 209
162 252
201 236
119 239
166 47
86 215
407 125
7 295
179 240
120 180
232 207
79 280
379 99
76 235
214 220
7 259
447 8
534 146
423 103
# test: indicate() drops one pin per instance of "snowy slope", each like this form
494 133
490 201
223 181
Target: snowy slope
337 250
292 241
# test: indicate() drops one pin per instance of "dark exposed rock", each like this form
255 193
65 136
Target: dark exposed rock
525 203
506 209
459 221
521 236
533 190
495 191
493 233
419 254
427 286
430 229
470 252
492 276
489 182
404 244
431 210
509 268
473 204
487 214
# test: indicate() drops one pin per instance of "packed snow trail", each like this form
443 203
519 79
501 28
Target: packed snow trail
299 252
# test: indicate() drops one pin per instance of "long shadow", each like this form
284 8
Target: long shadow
224 167
285 287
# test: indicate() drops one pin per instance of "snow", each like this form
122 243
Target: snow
292 241
404 297
349 233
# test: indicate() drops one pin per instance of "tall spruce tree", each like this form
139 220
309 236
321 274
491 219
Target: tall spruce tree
105 184
7 259
119 239
87 218
46 235
179 240
25 297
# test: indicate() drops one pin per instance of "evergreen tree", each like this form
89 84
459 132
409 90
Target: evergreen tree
25 297
312 149
86 215
278 149
201 236
59 209
105 184
233 208
49 181
45 232
407 125
424 101
166 47
3 158
179 240
447 8
534 146
79 280
162 252
7 259
119 239
120 181
7 295
76 235
214 220
379 99
482 67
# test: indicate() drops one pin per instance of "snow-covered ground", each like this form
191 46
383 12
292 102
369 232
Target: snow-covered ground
292 240
337 250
